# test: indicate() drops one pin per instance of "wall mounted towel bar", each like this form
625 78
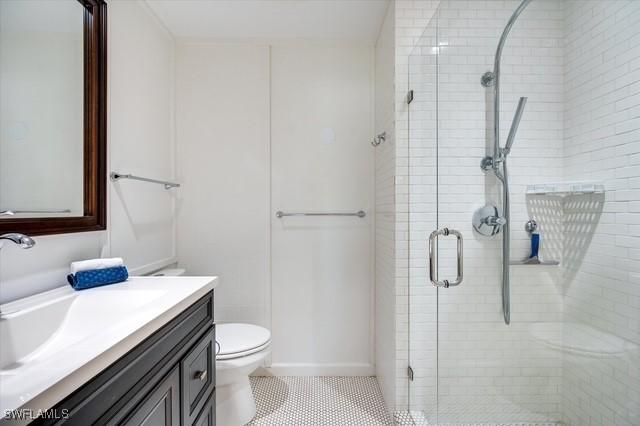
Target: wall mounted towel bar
360 213
167 185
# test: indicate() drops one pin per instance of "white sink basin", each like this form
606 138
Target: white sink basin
54 342
53 325
24 332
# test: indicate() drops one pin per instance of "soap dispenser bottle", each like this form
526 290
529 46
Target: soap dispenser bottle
532 228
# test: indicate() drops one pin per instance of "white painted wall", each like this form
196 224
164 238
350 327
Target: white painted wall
252 129
223 161
385 309
137 44
322 161
142 135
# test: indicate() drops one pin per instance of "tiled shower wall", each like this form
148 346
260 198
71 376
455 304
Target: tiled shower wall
581 123
601 282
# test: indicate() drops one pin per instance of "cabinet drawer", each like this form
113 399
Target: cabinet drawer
198 377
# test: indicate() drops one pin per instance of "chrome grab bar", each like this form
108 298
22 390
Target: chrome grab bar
167 185
359 213
433 257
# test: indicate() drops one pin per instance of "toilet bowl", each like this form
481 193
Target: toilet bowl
241 348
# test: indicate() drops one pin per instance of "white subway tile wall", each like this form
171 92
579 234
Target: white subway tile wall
601 281
578 63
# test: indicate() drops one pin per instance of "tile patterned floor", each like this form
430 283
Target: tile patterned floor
335 401
301 401
416 418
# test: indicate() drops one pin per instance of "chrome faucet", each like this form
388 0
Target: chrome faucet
24 241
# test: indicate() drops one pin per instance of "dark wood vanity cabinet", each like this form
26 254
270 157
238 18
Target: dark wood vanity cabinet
167 380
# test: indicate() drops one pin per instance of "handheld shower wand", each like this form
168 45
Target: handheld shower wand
514 126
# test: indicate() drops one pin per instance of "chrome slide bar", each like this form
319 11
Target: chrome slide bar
499 158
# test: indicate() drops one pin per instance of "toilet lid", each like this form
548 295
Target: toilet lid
235 338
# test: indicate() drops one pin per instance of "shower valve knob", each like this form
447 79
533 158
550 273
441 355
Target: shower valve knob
487 221
496 220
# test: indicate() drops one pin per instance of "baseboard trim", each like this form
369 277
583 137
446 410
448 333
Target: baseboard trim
302 369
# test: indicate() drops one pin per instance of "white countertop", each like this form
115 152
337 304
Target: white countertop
99 326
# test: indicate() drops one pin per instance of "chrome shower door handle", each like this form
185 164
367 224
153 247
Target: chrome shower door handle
433 257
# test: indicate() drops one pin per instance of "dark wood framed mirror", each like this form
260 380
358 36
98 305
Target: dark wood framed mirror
45 160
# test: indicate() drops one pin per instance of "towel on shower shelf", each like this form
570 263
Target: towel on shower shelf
97 272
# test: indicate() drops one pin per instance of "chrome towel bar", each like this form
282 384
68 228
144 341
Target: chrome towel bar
360 214
167 185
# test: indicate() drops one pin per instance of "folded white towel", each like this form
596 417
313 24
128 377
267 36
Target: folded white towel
87 265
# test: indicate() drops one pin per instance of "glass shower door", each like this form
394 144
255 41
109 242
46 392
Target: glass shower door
469 367
421 192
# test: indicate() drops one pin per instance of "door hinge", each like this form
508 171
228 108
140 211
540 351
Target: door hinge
410 372
409 96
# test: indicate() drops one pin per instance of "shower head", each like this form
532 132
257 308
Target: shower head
514 125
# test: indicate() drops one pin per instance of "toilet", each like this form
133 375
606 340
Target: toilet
240 350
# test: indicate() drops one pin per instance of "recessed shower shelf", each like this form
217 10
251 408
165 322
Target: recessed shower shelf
563 189
536 262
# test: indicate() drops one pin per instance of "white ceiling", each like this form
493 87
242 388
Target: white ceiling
357 20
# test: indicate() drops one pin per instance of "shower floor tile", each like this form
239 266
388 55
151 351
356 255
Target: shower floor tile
299 401
417 418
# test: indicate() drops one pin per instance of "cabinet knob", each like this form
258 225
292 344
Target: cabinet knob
200 375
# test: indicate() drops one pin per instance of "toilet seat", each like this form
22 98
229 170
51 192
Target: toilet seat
237 340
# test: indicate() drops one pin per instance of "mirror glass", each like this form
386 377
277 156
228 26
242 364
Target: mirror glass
41 108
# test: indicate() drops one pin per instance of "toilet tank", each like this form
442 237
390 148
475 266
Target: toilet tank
169 272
